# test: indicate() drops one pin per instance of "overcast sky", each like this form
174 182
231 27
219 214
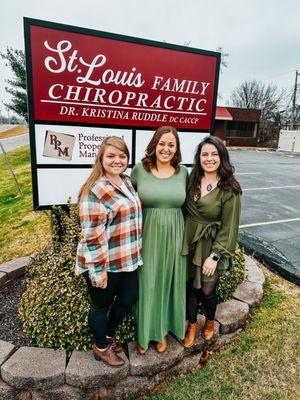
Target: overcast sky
261 36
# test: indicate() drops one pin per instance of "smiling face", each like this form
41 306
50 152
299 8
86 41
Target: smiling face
114 161
166 148
209 158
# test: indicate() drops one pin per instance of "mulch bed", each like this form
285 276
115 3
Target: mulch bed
10 324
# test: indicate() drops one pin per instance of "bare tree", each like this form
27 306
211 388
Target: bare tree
219 49
269 99
224 56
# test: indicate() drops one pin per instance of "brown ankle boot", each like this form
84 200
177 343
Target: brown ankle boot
108 355
116 347
208 329
140 349
190 334
161 347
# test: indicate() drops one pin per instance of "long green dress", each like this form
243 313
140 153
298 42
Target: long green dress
212 224
162 278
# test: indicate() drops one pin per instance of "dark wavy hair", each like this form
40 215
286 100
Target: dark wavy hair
225 171
149 161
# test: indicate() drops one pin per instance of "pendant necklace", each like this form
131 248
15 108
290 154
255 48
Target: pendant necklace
209 187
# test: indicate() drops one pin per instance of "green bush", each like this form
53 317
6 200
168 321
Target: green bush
229 281
54 307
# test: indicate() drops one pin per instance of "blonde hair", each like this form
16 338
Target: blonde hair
98 170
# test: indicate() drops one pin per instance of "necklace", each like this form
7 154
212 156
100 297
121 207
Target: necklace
209 188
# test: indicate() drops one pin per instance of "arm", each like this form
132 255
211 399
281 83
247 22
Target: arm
93 218
133 176
186 171
225 241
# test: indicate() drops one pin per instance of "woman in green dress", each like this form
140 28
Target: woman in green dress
212 220
161 185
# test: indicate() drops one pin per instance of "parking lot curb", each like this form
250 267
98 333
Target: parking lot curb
269 255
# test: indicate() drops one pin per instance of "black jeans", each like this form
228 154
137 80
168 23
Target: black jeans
110 305
206 295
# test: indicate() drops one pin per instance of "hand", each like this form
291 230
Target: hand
209 266
100 281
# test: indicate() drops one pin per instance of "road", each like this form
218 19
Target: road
15 142
5 127
270 221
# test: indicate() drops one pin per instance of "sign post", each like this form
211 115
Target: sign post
84 85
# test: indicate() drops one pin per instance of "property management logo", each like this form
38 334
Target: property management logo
58 145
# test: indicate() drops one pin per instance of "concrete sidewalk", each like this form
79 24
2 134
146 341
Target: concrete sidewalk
15 142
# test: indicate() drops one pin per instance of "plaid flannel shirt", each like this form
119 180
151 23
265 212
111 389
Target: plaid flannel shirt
111 230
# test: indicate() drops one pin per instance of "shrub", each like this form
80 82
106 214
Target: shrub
229 281
54 307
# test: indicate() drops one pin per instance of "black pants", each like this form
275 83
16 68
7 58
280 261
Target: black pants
206 295
110 305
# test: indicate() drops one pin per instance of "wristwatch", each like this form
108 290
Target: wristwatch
215 256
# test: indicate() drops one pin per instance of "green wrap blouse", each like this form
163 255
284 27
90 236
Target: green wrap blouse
212 224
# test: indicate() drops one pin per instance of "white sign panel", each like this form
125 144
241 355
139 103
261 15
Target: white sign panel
73 145
58 185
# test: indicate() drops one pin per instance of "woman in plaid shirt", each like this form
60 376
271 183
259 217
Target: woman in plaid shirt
108 253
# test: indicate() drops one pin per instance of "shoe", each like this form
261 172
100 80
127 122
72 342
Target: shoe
116 347
161 347
140 349
208 329
190 334
108 356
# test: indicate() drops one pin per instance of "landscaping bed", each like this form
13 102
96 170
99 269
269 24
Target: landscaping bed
10 324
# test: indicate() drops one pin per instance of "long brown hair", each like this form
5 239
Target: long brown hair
225 170
98 170
149 161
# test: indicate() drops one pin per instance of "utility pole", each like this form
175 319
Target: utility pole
292 122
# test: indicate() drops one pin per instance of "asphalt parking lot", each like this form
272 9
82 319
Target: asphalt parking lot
270 221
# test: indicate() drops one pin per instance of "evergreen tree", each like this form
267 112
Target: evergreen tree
17 86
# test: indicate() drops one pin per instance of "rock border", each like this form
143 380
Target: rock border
11 270
31 373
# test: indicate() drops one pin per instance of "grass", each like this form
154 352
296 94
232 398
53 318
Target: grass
15 131
262 363
23 231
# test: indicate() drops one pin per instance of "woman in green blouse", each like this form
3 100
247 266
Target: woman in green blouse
212 220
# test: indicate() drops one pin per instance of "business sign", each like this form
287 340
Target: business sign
84 85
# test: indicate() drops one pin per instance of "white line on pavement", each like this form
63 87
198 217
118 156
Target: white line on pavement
273 187
280 221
